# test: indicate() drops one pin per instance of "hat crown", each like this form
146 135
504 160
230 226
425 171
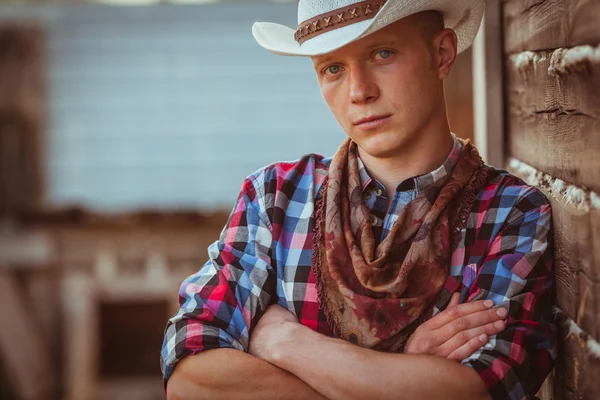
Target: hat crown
308 9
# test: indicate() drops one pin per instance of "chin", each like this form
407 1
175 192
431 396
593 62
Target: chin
383 145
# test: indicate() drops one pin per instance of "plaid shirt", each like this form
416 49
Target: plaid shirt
265 251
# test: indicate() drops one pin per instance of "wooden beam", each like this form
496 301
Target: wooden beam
26 250
488 88
80 336
549 24
26 359
554 112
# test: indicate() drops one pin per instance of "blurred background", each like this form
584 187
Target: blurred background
126 130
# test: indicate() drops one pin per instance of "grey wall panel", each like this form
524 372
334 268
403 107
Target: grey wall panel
171 106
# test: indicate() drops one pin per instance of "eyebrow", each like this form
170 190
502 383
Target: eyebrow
328 59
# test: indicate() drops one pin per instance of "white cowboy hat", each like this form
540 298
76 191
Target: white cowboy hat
327 25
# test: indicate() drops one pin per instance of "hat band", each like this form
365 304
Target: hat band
339 18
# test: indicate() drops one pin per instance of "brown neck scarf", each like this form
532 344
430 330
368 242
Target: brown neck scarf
374 295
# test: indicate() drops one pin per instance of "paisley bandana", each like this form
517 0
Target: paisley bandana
374 296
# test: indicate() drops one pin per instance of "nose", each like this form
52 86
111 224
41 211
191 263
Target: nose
363 87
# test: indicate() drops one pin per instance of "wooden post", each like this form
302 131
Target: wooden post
21 346
488 95
21 116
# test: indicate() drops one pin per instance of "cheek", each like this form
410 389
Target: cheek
337 103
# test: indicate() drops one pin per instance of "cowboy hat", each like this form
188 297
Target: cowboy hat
327 25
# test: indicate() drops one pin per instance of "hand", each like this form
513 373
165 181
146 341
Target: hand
273 329
458 331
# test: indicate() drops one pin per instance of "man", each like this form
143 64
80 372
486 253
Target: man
373 274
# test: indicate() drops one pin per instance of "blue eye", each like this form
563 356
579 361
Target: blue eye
384 53
332 70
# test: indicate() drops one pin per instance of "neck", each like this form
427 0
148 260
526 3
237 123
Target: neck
425 153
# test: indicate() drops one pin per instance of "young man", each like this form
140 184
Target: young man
400 268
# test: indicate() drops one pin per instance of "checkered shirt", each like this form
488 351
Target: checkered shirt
264 255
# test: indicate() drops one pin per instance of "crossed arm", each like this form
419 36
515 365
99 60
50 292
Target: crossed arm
288 360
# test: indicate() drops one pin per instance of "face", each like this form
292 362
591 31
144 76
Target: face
387 87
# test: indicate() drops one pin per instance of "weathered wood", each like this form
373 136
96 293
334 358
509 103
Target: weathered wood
595 220
546 392
550 24
578 365
80 337
21 347
577 280
21 116
553 112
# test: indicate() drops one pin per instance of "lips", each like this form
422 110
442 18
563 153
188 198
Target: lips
373 121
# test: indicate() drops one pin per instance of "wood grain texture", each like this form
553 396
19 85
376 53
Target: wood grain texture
578 367
554 113
550 24
574 214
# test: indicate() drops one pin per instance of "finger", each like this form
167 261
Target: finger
452 313
466 322
464 337
468 348
454 300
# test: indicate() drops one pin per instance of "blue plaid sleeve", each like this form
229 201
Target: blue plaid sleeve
222 301
517 274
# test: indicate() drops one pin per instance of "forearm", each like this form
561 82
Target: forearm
340 370
232 374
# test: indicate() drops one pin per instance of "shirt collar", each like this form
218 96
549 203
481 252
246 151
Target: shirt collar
421 181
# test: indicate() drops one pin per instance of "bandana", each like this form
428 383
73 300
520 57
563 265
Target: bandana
375 296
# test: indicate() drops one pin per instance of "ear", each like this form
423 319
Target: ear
445 45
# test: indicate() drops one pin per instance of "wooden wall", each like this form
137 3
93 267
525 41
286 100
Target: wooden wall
552 111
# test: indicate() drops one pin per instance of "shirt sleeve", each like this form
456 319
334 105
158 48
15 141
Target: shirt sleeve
222 301
517 274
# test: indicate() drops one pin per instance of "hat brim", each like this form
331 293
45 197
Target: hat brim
462 16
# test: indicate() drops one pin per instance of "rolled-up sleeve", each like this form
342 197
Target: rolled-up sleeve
222 301
517 273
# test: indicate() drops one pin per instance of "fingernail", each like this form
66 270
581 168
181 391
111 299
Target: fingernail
502 312
488 303
483 338
499 324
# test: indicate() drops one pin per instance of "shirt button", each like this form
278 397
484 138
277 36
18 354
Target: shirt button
373 220
367 195
378 191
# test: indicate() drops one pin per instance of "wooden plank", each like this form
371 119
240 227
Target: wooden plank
131 389
26 249
554 113
488 86
546 392
550 24
21 116
577 278
595 220
80 337
578 365
21 346
41 287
